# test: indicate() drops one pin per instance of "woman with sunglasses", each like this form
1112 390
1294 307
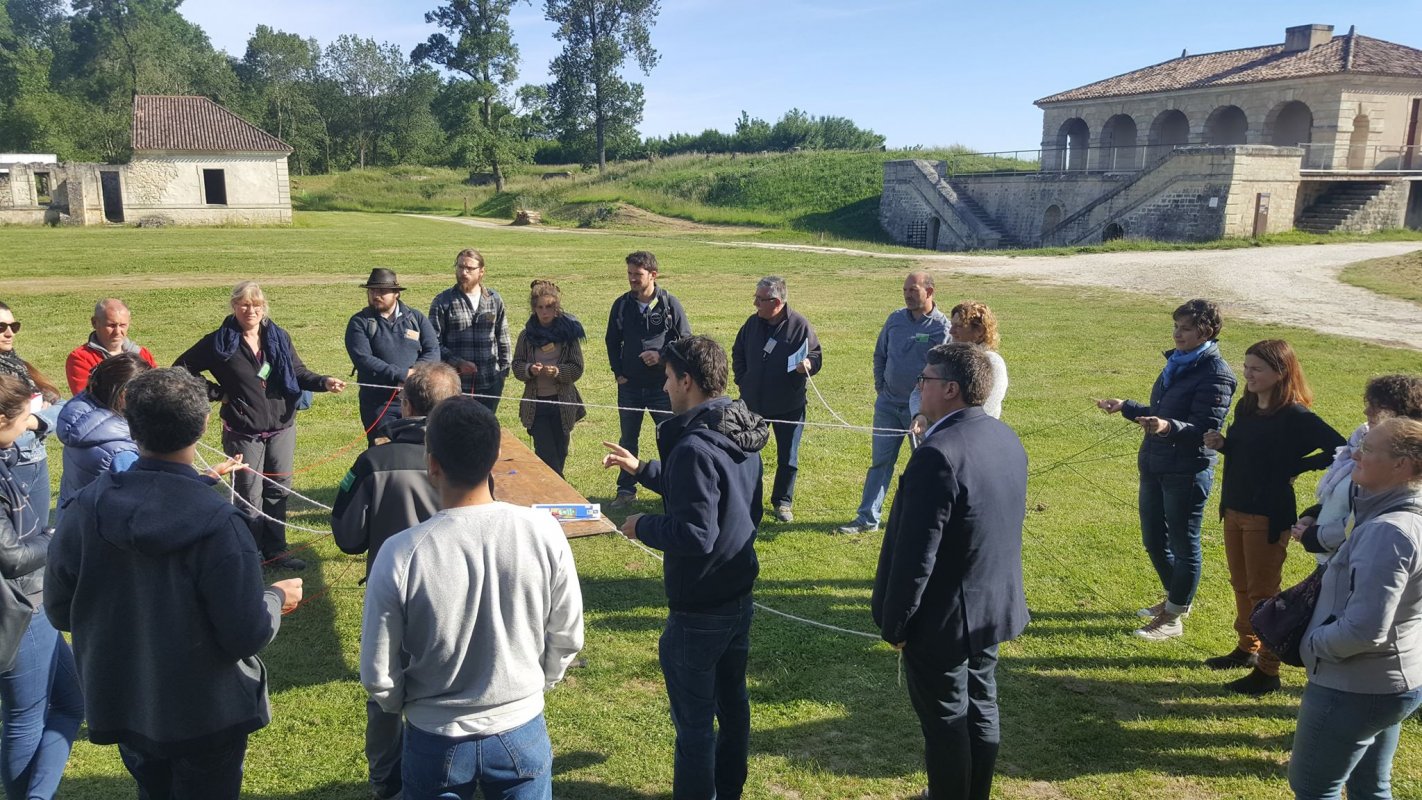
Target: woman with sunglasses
31 466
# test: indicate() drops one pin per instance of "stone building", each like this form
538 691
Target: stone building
1319 133
194 163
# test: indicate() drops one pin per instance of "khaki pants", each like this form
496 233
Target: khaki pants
1256 567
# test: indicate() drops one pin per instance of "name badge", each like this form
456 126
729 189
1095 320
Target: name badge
548 348
922 338
412 334
770 346
265 371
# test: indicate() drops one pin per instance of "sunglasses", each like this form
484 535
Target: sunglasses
13 327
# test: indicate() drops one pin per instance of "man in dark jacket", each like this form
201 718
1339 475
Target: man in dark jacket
641 323
387 491
160 582
949 585
385 340
709 477
774 354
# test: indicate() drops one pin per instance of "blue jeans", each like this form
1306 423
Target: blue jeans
884 456
214 774
513 765
957 712
787 456
1172 506
35 478
630 422
703 659
41 708
495 391
1347 738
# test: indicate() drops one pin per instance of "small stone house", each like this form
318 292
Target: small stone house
194 163
1319 133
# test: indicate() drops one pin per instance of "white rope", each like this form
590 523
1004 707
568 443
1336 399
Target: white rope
763 607
873 431
811 381
226 480
272 481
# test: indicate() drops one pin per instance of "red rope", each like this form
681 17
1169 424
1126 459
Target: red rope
365 437
324 590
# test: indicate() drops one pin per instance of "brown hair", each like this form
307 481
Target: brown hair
429 383
971 312
469 253
643 260
14 396
1292 386
108 380
542 288
965 364
1202 314
1397 395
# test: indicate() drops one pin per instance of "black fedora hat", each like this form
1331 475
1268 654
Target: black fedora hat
381 278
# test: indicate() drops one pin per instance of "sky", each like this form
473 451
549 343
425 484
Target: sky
920 72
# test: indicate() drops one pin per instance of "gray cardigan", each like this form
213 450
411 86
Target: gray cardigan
1366 632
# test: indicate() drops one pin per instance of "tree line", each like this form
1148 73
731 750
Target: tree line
69 71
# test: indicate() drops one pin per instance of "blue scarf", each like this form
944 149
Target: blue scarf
1177 361
565 328
276 348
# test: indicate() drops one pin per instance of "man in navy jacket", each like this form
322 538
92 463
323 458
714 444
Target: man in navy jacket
949 584
709 476
385 340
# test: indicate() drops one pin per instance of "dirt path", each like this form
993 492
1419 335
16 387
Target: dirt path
1288 285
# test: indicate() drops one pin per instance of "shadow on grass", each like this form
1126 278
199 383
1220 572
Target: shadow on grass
565 788
123 787
308 650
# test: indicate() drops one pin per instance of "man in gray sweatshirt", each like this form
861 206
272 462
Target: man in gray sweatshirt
470 617
899 356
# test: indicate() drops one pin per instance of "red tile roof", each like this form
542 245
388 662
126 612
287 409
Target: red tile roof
164 122
1351 53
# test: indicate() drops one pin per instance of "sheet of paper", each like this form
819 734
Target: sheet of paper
798 356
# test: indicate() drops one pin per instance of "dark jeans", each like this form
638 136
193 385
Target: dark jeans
41 708
631 422
787 456
513 765
957 710
1347 739
275 457
495 392
35 478
703 659
210 775
1172 506
550 441
384 739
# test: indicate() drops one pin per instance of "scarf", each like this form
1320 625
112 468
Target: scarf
565 328
276 347
1342 467
11 364
1177 361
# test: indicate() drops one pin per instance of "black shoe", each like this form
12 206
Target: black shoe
1255 684
1235 659
287 562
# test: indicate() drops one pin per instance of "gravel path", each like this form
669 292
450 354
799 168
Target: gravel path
1287 285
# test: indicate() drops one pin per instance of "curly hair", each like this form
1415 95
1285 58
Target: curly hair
1202 314
1395 395
542 288
971 312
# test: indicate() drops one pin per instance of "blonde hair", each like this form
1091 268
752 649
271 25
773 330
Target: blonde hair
971 312
248 292
1405 441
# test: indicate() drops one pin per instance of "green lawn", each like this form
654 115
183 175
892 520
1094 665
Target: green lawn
1089 712
1399 276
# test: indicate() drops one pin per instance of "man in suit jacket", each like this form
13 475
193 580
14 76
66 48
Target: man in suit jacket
949 584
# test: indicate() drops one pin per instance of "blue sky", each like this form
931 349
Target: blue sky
928 72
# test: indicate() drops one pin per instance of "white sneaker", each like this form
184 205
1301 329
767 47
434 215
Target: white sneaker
1163 626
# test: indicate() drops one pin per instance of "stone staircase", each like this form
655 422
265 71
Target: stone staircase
1005 239
1335 208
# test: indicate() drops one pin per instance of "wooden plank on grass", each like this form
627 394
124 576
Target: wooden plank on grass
521 478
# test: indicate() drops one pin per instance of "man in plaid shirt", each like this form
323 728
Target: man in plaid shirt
473 330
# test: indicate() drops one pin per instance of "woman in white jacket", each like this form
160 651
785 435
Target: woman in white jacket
1363 647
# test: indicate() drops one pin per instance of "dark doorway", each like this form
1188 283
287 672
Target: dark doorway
933 227
1414 206
1113 232
214 187
113 196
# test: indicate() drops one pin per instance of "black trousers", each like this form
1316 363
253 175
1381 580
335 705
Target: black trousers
957 710
210 775
550 441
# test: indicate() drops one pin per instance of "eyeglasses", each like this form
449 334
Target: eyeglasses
759 299
13 327
921 378
1370 450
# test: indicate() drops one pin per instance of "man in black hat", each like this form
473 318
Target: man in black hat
385 340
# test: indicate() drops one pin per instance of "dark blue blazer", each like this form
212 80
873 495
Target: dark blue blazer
950 570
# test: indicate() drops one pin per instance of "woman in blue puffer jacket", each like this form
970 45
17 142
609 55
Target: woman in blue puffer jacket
92 428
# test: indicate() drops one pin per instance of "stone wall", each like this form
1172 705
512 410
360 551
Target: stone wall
170 185
1020 202
917 206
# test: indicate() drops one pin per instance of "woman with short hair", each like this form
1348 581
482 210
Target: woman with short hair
1362 649
548 358
260 379
41 704
31 467
1274 438
1190 397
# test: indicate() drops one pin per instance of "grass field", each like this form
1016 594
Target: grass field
1400 276
1089 712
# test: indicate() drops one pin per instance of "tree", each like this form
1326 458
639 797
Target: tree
274 68
478 43
369 77
587 89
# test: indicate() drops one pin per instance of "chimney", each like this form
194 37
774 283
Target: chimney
1300 38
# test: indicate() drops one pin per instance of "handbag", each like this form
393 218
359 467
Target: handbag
15 613
1281 621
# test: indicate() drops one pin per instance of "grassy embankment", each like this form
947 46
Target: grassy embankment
1399 276
1089 712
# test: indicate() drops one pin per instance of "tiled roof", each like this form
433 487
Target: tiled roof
1351 53
163 122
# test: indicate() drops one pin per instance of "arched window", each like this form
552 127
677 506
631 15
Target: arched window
1289 124
1071 143
1358 144
1227 125
1118 142
1169 129
1050 220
